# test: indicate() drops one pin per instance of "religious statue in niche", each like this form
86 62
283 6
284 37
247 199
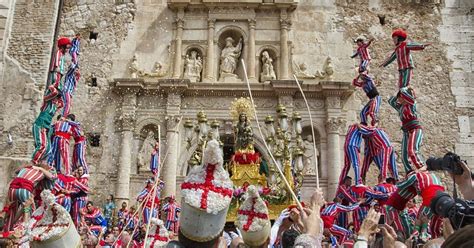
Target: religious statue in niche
193 67
309 156
146 150
267 68
229 57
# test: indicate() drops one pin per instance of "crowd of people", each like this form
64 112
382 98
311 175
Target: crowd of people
388 214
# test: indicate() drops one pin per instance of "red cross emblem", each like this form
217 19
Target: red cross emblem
251 214
207 186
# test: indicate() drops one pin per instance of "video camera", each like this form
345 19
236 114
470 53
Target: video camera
460 212
450 163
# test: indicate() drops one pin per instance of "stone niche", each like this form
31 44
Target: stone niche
214 36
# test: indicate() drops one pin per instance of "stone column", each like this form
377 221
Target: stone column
178 44
127 122
171 163
251 63
175 89
210 48
334 154
285 23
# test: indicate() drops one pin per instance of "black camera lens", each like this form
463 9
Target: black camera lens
441 204
434 164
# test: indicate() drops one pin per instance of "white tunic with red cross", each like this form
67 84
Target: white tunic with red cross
252 215
208 188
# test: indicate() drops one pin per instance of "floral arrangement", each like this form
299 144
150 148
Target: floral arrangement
246 158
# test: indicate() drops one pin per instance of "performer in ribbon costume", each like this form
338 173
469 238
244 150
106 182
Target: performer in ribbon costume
405 105
22 188
63 131
402 54
363 53
42 125
172 210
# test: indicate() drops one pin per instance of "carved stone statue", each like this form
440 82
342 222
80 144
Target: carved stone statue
193 67
243 134
133 68
309 155
327 71
300 71
328 68
144 154
229 57
159 70
267 68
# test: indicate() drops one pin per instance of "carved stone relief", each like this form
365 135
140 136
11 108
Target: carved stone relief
335 124
193 66
267 73
301 70
333 101
313 104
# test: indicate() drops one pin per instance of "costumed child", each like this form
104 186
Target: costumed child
405 105
402 54
372 107
363 53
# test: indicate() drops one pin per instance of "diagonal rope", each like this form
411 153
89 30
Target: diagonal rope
287 184
140 209
315 151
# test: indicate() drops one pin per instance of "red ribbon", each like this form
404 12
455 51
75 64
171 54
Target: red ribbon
251 215
64 135
207 186
21 183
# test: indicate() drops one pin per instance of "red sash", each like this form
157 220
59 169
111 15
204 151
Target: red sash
21 183
63 135
328 221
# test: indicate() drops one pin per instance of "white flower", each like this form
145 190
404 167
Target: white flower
248 205
216 202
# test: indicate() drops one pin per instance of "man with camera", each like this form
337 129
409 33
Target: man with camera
459 211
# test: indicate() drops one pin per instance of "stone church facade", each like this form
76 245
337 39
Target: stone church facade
149 65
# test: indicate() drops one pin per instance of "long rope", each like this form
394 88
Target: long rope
134 229
315 151
287 184
145 199
157 179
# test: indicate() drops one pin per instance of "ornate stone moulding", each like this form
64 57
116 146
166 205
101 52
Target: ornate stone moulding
174 4
274 88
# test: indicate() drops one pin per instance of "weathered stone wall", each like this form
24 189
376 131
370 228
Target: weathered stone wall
31 36
457 32
320 29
